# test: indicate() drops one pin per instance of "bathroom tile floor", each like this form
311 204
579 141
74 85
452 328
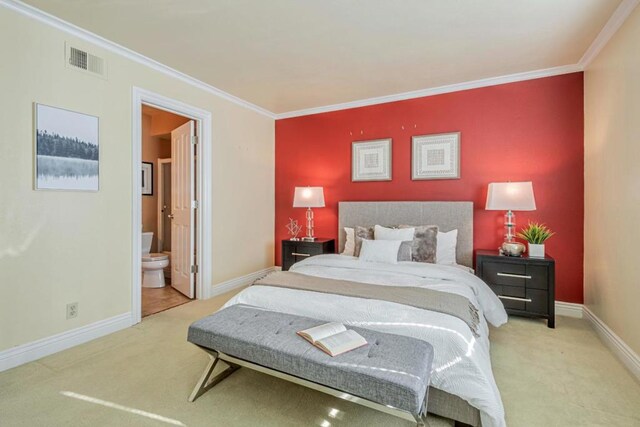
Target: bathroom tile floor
155 300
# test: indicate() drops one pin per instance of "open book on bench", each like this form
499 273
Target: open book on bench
333 338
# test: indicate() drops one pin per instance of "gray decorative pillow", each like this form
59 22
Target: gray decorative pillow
404 253
361 233
425 243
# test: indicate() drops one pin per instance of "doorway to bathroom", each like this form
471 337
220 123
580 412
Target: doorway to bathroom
169 241
168 165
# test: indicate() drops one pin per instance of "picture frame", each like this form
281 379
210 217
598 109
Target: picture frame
371 160
435 156
66 149
147 179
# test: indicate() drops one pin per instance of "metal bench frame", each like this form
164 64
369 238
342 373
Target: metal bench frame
206 382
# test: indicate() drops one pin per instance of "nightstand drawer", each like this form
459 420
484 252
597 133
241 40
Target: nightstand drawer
306 250
295 250
539 301
512 297
505 274
539 276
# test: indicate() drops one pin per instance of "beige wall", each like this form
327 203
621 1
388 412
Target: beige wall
612 183
61 247
154 148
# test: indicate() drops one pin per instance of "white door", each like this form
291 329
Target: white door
182 209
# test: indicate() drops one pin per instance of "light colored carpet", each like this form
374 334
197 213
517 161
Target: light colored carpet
561 377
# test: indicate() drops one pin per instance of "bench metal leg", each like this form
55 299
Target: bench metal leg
206 382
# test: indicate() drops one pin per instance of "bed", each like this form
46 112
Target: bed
463 387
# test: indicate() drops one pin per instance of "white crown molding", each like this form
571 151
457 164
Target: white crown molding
238 282
99 41
569 309
475 84
626 355
611 27
44 347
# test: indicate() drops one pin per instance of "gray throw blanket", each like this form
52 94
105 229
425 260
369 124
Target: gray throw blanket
426 299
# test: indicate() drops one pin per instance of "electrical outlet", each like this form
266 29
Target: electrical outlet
72 310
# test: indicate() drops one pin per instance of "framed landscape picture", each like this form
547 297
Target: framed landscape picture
371 160
67 150
435 156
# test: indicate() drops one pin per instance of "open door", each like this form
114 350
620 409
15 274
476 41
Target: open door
182 210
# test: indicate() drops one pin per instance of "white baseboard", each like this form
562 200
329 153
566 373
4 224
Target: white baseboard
44 347
626 355
238 282
569 309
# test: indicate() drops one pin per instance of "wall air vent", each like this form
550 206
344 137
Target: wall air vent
81 60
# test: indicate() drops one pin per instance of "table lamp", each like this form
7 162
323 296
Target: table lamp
308 197
511 196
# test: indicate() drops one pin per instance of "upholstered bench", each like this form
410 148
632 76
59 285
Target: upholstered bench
391 373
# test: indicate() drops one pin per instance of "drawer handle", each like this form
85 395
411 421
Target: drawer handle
297 254
514 298
519 276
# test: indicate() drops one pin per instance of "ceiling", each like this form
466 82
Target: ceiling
286 55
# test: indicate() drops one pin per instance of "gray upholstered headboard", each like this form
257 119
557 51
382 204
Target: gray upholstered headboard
446 215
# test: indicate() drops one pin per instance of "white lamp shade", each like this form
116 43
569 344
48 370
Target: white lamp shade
511 196
308 197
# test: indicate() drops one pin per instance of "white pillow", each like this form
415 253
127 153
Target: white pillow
350 244
380 251
402 234
446 248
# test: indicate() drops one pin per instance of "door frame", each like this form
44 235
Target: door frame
161 185
204 163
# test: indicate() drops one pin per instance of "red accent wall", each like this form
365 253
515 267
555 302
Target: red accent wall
531 130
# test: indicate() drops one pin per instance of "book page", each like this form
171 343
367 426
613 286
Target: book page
322 331
342 342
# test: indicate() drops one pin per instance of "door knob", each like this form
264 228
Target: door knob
170 216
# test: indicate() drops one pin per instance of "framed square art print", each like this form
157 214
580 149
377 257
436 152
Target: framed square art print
435 156
371 160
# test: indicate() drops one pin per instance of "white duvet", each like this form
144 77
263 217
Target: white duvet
462 364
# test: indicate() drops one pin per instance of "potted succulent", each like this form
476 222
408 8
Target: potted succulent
535 234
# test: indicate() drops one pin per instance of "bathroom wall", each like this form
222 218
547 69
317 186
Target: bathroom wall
58 247
154 147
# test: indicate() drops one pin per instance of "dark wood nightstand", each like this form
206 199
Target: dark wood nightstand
526 286
297 250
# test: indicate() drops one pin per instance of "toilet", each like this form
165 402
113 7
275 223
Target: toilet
152 264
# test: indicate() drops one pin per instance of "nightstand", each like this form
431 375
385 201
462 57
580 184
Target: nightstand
297 250
526 286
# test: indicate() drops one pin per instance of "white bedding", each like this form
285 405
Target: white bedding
462 364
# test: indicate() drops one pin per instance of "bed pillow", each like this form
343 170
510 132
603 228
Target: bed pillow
380 251
446 248
386 233
360 234
350 244
425 242
404 253
403 234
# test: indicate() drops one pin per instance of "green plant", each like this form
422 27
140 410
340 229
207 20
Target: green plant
535 233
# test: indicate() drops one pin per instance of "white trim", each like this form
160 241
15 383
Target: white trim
569 309
204 167
611 27
626 355
491 81
238 282
44 347
103 43
159 214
